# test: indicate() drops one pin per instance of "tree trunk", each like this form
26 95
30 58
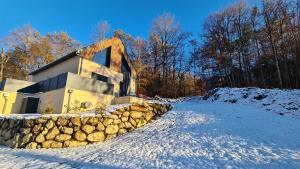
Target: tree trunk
1 71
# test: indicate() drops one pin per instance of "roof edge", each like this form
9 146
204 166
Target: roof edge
62 59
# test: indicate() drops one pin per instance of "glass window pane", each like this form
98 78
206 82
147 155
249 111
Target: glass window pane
103 57
99 77
100 57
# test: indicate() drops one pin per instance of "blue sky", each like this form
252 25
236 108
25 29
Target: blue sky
79 17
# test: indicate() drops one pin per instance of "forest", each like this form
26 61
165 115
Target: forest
238 46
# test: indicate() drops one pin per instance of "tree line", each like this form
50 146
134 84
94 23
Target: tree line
28 50
251 46
239 46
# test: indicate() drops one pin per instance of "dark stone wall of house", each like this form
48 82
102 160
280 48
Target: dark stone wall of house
61 131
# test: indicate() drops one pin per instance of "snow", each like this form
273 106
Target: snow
169 100
195 134
283 102
108 110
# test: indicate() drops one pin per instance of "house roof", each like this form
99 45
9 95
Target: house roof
76 53
60 60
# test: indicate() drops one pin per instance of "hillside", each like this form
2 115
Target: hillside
282 102
231 128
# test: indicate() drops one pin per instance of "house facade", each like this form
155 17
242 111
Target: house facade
83 80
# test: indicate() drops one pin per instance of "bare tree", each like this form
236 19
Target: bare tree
167 43
61 43
270 20
3 60
101 31
254 47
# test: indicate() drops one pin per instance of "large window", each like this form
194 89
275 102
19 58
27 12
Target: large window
99 77
53 83
124 85
103 57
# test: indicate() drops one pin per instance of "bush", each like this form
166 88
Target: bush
78 107
100 108
48 110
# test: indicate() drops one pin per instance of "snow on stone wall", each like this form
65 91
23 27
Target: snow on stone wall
73 131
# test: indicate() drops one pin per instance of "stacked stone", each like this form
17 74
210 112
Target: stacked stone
64 131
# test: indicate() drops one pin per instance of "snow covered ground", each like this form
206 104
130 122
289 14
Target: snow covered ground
195 134
283 102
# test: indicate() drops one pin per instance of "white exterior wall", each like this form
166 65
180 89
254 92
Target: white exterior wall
70 65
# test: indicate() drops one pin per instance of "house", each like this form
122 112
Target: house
84 79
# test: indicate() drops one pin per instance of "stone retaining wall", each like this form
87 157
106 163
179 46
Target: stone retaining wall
72 131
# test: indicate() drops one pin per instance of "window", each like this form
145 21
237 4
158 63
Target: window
62 80
99 77
53 83
46 84
124 66
1 86
103 57
125 84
